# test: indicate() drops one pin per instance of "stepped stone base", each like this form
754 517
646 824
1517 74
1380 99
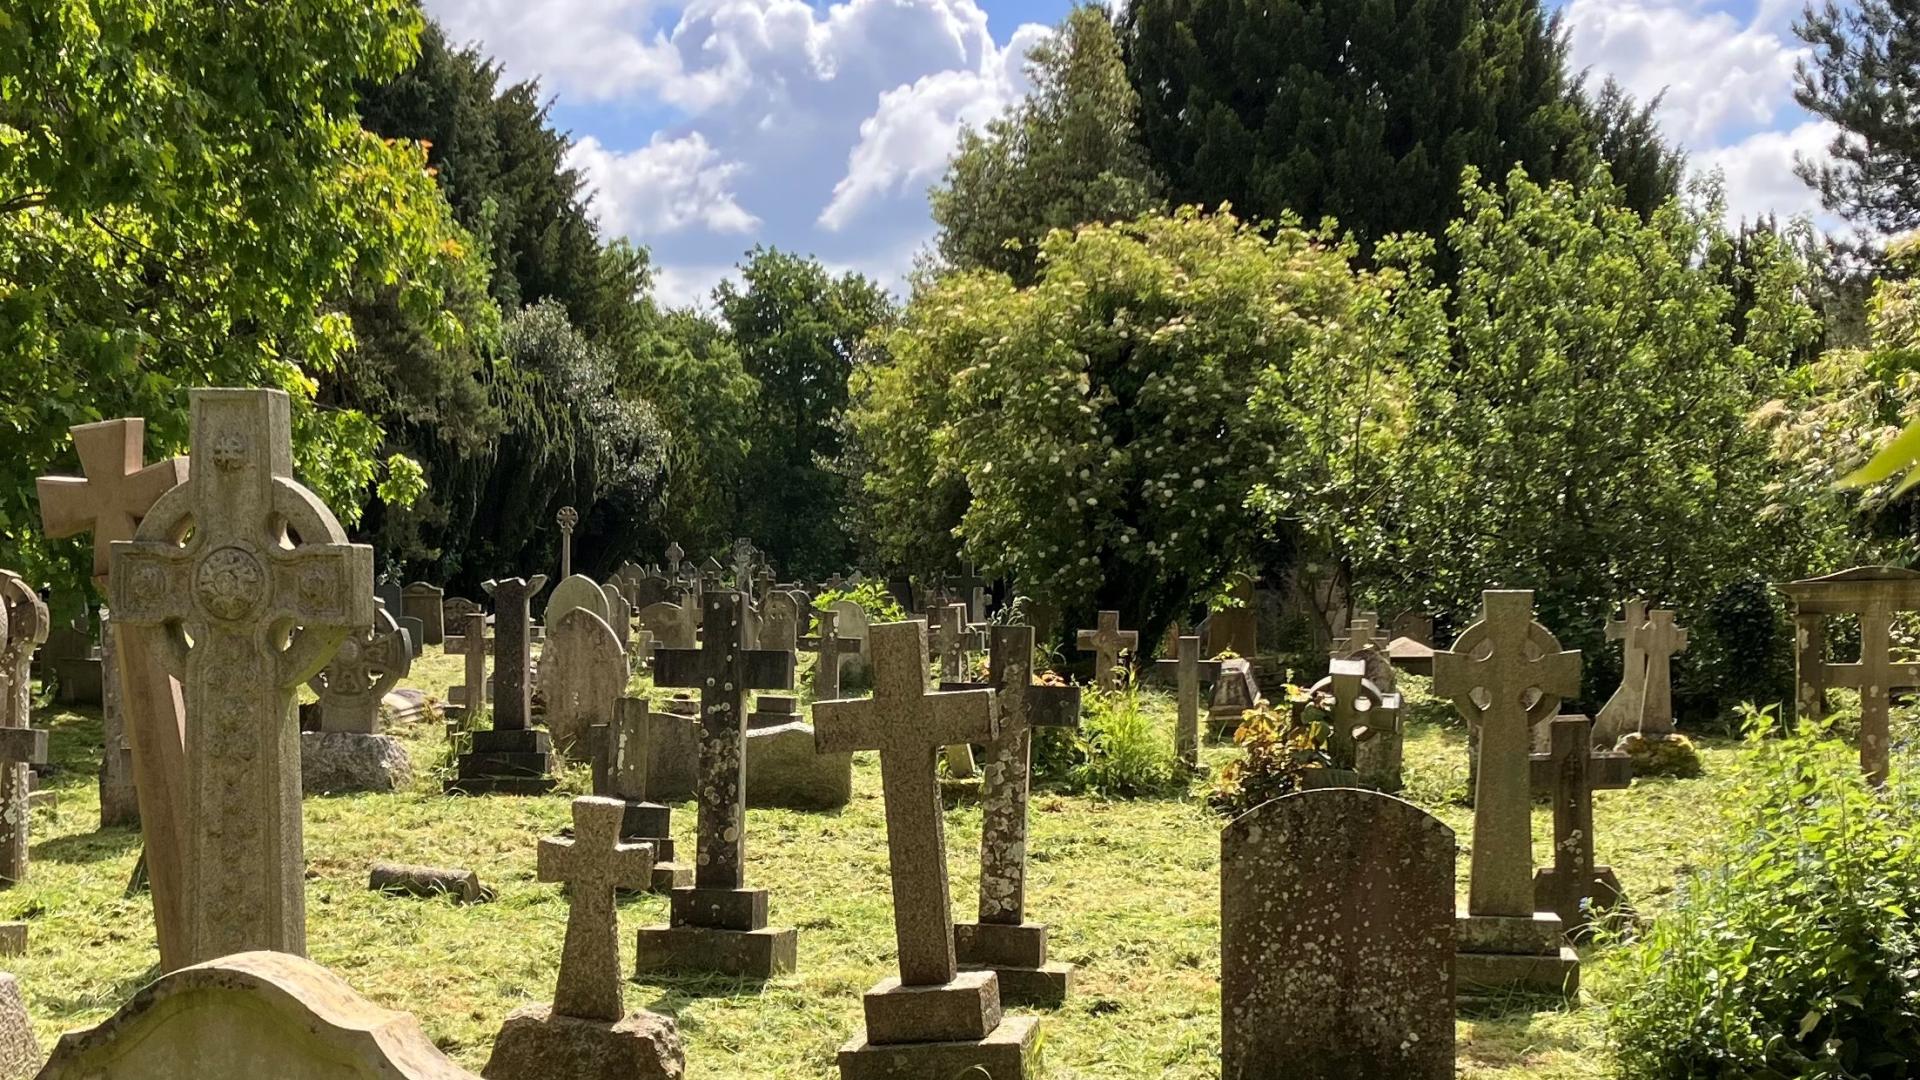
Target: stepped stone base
1007 1053
748 954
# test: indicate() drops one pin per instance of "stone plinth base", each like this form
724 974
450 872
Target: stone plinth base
533 1043
747 954
669 876
506 763
1514 955
1007 1053
964 1010
346 761
1018 954
1602 894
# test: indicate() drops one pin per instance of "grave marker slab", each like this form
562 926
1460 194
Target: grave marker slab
623 769
260 551
933 1019
719 924
670 624
1003 940
425 602
1337 940
578 591
1505 674
511 759
583 672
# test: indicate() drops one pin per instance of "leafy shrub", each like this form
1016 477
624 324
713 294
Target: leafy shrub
1796 957
1674 755
873 598
1276 747
1118 752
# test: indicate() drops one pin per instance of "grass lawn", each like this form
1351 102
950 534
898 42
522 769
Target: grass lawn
1130 889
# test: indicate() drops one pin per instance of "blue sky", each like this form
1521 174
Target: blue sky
709 126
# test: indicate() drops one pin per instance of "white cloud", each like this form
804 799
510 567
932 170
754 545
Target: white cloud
692 286
663 187
1759 171
822 125
1719 75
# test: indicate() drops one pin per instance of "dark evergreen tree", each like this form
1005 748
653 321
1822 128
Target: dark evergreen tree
1864 77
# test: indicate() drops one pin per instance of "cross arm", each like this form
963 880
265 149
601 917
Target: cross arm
27 745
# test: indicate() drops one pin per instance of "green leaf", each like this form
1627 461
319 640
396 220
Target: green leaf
1903 453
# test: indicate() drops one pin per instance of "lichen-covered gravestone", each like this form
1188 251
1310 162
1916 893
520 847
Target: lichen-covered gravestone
224 563
933 1020
587 1034
22 629
1505 674
719 924
247 1017
622 769
1336 940
780 622
472 643
1003 941
670 624
583 671
783 769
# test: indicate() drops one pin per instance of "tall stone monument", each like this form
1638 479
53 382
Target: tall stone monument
255 584
513 758
932 1020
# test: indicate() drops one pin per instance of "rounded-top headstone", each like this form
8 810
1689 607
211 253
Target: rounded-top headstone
578 591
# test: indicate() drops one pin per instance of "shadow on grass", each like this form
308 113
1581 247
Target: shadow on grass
90 847
672 993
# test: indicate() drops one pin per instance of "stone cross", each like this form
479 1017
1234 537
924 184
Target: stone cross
473 644
593 864
674 555
831 647
370 662
583 672
568 519
1024 705
1874 594
1189 672
974 588
1621 713
228 562
513 650
1352 699
116 493
1367 642
1106 644
23 626
1521 659
1568 774
1659 639
143 699
724 670
956 642
908 726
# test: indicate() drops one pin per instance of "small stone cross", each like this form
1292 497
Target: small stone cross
1504 659
473 644
1347 713
1568 773
117 492
1189 672
568 519
1024 705
674 556
225 562
1106 644
1658 640
831 647
956 641
594 864
908 726
724 670
513 650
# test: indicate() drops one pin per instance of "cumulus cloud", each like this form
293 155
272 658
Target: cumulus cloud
1758 170
1718 73
664 187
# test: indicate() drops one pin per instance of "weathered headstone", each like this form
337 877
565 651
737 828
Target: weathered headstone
1621 714
260 553
850 624
1189 672
830 646
19 1050
670 624
1003 940
74 659
117 491
249 1016
1414 626
349 752
583 672
783 769
719 924
578 591
1505 674
1576 887
1874 594
1336 940
623 769
454 611
933 1020
512 759
568 519
619 615
402 879
1234 692
423 601
587 1033
472 643
780 622
22 629
1106 644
